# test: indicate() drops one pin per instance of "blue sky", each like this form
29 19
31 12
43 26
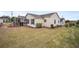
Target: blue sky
72 15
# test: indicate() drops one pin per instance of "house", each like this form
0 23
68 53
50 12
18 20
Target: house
20 21
5 18
46 20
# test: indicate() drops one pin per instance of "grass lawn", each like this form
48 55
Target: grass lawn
35 38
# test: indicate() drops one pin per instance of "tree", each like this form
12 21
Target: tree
13 19
67 21
77 22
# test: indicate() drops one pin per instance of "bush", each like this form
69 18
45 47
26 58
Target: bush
69 24
77 22
77 25
66 25
39 25
59 26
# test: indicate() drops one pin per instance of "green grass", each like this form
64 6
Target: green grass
21 37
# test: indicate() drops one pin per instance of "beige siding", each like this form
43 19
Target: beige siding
55 17
50 20
30 17
39 20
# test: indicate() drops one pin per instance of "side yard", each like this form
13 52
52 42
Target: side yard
36 38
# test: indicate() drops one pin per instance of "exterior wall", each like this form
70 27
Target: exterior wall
55 17
40 20
50 20
47 23
29 17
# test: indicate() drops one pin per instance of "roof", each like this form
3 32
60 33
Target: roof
21 16
36 16
5 17
42 16
62 19
48 15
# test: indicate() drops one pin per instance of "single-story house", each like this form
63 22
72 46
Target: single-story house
5 18
20 21
46 20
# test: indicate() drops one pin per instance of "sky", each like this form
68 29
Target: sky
65 8
71 15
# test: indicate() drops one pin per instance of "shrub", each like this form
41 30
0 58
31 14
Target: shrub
71 24
39 25
59 26
67 21
66 25
77 22
77 25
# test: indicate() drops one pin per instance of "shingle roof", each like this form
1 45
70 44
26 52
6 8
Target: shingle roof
36 16
47 15
62 19
4 17
42 16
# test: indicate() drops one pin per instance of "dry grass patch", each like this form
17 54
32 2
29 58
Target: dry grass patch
34 37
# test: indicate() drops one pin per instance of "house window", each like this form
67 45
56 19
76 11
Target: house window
27 21
44 20
32 21
54 21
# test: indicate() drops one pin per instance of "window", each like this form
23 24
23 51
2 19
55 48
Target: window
32 21
54 21
44 20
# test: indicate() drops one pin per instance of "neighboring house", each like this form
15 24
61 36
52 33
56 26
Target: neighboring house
20 20
46 20
5 18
